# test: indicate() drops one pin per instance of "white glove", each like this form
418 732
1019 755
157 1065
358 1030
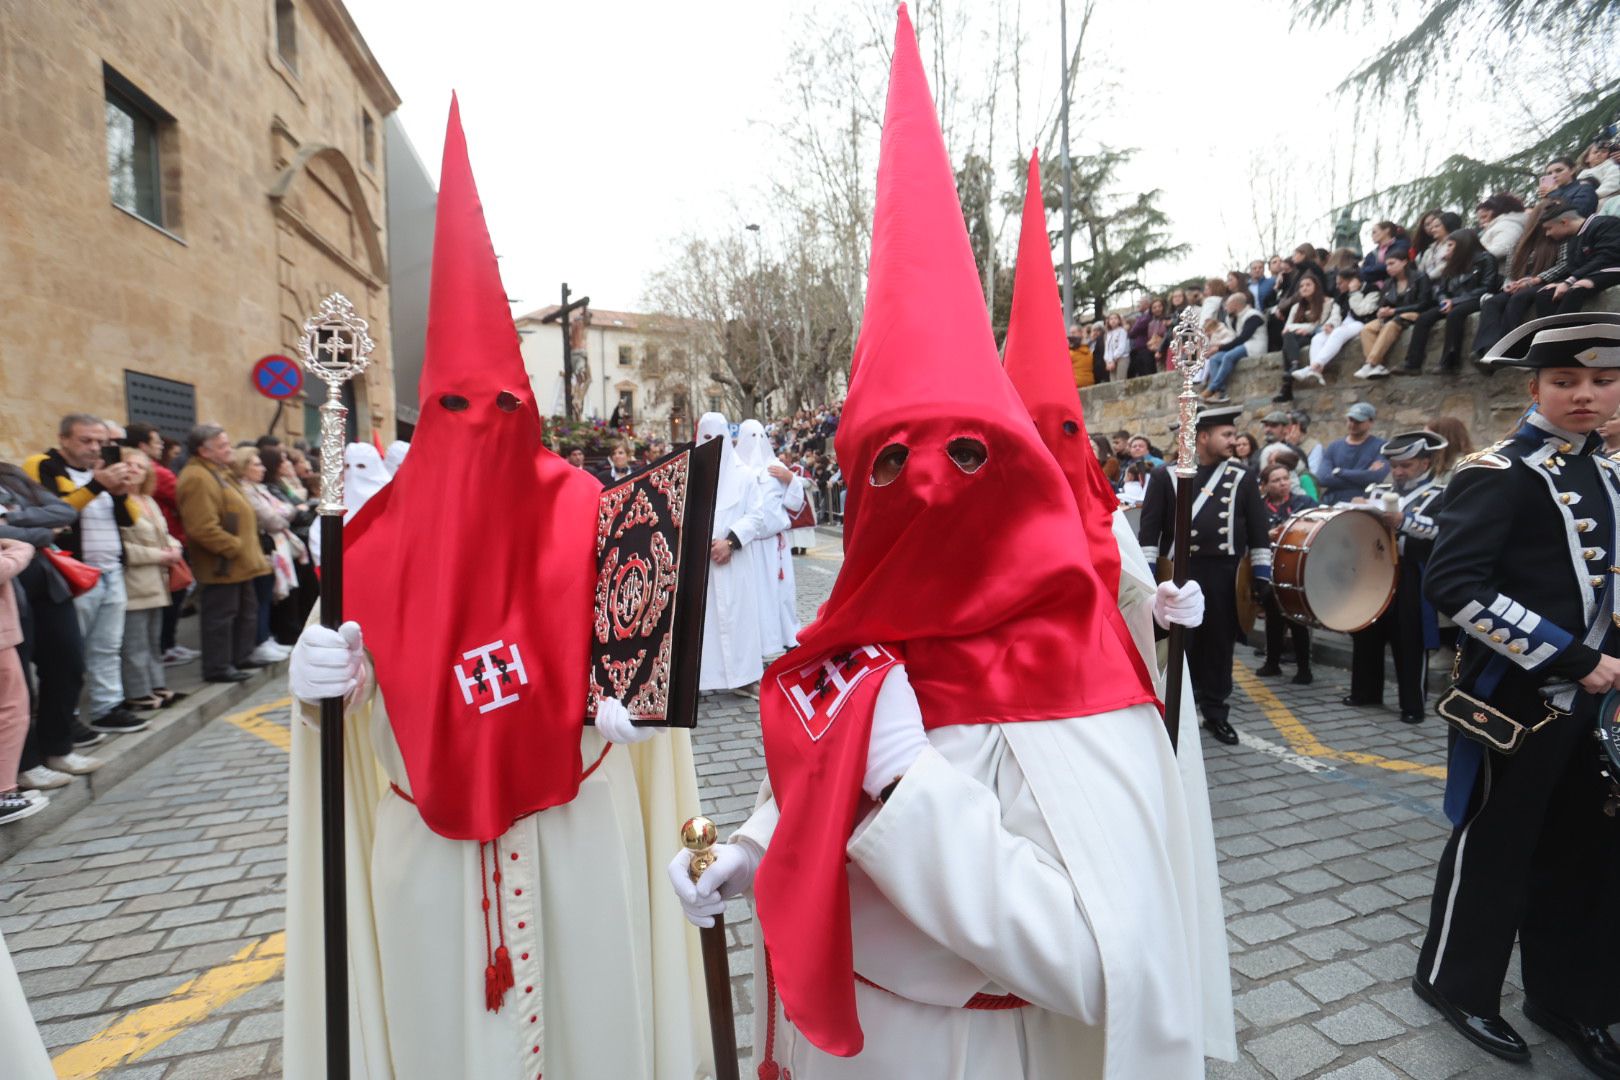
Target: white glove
1183 605
613 723
326 663
897 739
731 875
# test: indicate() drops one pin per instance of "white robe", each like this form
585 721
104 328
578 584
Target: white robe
20 1045
931 958
1136 588
1046 859
609 975
732 649
773 560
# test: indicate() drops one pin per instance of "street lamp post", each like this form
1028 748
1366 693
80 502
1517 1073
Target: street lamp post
759 278
1068 230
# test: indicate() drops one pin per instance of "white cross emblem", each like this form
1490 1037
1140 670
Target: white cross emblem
809 687
490 674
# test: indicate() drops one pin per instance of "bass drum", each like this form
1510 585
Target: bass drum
1335 567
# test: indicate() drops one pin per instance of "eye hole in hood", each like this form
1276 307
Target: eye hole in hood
506 401
890 460
454 402
967 454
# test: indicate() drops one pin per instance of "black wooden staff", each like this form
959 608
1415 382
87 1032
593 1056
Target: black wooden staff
336 348
698 836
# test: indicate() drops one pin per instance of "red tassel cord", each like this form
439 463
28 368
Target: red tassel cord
498 978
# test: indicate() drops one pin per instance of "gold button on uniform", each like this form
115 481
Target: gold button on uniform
1482 626
1564 498
1515 648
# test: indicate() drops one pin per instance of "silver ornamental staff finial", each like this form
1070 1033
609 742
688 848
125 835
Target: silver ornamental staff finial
1187 342
335 348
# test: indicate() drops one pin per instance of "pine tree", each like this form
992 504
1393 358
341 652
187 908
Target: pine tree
1452 36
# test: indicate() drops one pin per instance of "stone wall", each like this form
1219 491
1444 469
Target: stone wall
1489 405
270 199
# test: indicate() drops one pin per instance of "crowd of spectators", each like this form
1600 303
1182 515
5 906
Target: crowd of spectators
1513 263
106 539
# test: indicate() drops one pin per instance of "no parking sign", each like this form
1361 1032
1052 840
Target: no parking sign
278 377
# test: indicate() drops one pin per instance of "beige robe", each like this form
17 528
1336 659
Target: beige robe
608 973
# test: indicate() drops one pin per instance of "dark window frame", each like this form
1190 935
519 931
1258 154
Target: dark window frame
286 23
118 93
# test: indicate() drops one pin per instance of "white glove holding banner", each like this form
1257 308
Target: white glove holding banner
326 663
1182 605
730 875
613 723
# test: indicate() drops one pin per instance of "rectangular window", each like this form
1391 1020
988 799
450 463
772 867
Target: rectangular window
627 406
651 358
368 139
627 356
287 33
134 165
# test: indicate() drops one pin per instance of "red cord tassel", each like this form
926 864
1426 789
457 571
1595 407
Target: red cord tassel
503 972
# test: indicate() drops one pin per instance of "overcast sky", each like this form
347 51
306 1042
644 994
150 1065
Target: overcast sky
599 133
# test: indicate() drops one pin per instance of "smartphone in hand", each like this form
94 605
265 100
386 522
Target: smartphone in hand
112 454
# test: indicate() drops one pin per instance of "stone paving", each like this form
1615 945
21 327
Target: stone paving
1326 828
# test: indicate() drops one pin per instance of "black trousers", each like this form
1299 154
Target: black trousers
1277 626
1500 313
1573 300
1209 646
1456 321
1293 351
1141 362
1536 857
1400 628
52 644
230 625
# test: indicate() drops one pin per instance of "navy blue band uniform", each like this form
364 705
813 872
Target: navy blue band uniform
1524 562
1228 519
1408 627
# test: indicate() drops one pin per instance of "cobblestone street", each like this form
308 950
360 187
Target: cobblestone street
148 928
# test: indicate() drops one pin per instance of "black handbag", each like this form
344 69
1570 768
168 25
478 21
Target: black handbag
1483 722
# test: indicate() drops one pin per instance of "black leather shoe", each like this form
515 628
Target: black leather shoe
1411 718
1492 1034
231 675
1222 731
1268 668
1303 677
1348 700
248 665
1589 1042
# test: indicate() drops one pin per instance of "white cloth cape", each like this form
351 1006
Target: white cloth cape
616 972
732 650
994 823
24 1051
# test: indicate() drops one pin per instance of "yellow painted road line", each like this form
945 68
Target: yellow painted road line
254 723
1305 743
138 1033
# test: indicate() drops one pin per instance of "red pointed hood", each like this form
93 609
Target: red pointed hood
1037 362
970 564
483 538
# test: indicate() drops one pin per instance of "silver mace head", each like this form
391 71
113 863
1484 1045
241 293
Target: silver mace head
336 347
1187 344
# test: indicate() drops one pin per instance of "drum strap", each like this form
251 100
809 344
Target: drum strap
1209 486
1561 695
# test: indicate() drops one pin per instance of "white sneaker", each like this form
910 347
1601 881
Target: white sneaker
1378 371
1308 374
179 655
75 763
268 652
40 777
34 796
1362 371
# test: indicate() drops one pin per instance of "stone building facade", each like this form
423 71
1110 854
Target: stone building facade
180 184
624 361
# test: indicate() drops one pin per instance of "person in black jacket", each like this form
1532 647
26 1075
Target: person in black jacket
52 645
1524 562
1469 273
1228 518
1590 263
1283 502
1404 296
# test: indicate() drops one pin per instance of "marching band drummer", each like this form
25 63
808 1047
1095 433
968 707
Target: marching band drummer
1525 563
1228 518
1408 500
